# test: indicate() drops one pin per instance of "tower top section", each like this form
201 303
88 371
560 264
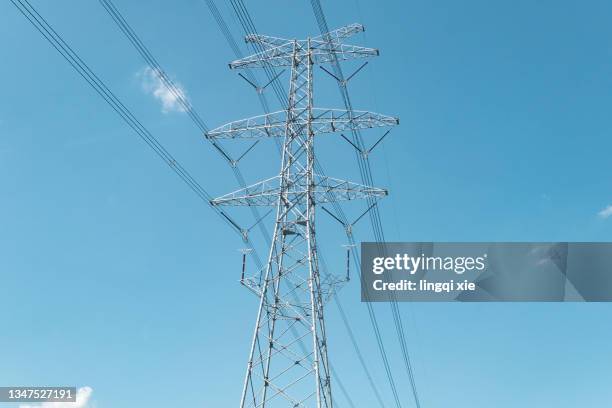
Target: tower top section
323 49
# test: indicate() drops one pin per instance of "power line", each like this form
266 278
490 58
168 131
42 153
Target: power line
366 172
249 28
64 49
150 59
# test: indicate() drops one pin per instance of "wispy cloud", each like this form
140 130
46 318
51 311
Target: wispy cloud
82 401
606 212
153 84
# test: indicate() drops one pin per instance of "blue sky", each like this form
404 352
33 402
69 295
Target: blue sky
115 277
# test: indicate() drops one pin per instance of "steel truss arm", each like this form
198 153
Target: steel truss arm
323 121
341 33
335 36
266 40
321 52
326 189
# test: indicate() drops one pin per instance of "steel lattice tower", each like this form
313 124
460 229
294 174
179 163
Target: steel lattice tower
288 362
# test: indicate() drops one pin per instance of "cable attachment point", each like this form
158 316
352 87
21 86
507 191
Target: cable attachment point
253 82
366 152
235 162
344 82
348 227
245 232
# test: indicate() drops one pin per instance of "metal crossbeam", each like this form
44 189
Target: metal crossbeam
341 33
326 189
320 51
322 121
335 36
266 40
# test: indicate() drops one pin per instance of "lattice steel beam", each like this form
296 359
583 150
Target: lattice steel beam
322 121
326 189
321 52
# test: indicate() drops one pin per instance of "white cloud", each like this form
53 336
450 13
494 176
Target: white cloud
82 401
606 212
153 84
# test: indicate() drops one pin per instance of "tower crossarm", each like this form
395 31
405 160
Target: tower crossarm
334 36
266 40
323 121
325 52
326 189
341 33
321 52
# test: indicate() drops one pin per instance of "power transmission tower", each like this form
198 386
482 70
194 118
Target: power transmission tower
288 362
